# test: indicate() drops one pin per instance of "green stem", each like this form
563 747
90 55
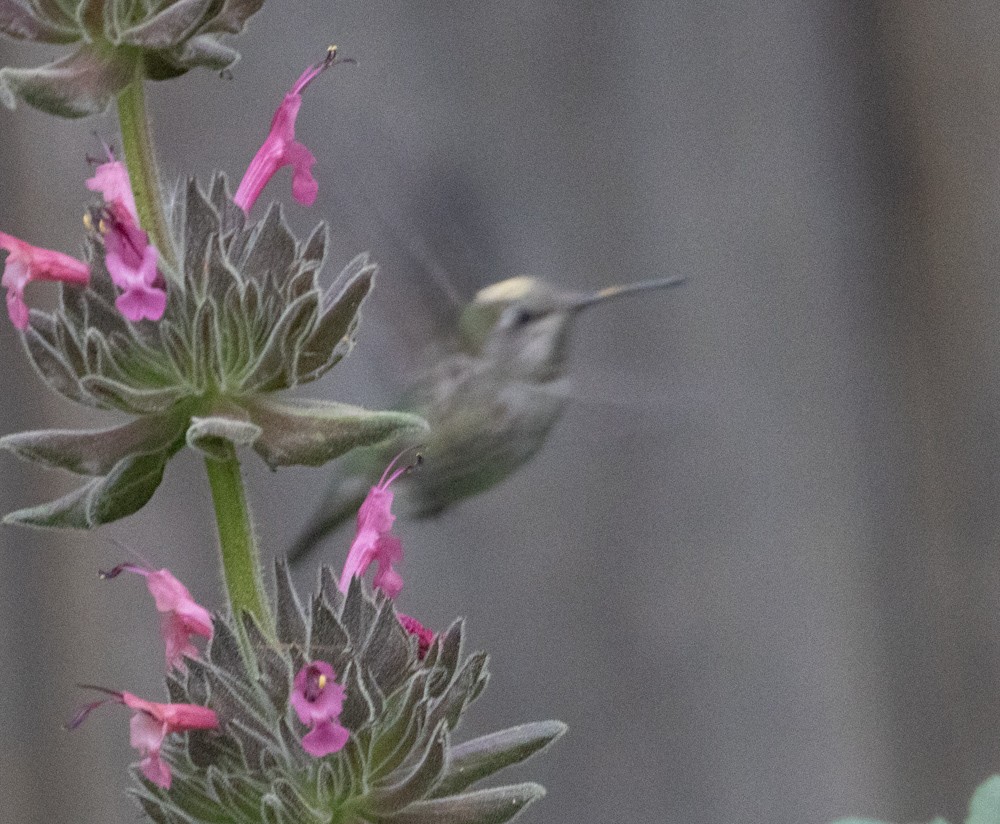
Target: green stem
238 543
144 174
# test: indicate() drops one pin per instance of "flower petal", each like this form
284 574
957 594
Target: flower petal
324 738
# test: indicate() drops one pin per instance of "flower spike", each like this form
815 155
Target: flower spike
282 149
182 616
27 263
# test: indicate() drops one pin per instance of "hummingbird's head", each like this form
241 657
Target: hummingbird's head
524 322
521 321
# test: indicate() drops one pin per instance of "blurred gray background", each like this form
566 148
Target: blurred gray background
755 568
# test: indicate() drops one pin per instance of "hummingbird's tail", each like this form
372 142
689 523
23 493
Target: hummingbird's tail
341 504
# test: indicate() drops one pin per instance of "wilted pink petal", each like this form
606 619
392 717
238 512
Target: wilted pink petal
317 700
150 725
372 541
181 618
282 149
423 635
27 263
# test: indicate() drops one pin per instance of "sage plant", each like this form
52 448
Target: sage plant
193 314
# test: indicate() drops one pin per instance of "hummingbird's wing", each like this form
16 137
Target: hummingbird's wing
482 428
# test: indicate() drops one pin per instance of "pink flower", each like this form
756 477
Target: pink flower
132 263
112 181
282 149
318 700
27 263
182 617
130 257
423 635
150 725
373 541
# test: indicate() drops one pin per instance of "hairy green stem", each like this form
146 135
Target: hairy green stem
237 541
144 174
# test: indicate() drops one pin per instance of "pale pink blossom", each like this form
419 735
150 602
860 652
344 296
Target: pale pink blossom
26 263
282 149
151 723
373 540
181 618
132 261
111 180
318 699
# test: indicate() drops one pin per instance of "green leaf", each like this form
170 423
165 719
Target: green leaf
25 24
420 780
310 433
96 451
169 27
493 806
233 16
123 491
82 84
210 435
985 805
482 757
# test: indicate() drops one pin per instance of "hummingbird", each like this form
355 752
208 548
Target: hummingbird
490 403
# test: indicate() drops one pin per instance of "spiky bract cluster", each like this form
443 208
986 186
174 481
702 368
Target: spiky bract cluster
399 766
116 41
246 317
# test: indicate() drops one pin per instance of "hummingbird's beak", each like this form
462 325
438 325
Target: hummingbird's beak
609 292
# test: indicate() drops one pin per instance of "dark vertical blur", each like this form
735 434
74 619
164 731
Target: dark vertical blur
755 568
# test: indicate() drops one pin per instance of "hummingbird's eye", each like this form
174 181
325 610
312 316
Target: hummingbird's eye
522 317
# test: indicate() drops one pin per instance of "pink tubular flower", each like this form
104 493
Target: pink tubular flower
317 699
182 617
130 257
373 541
423 635
282 149
26 263
150 725
112 182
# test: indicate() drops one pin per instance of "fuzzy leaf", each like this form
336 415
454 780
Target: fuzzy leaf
169 27
82 84
493 806
52 366
25 24
481 757
204 52
310 433
233 16
290 619
95 452
129 398
123 491
985 805
212 435
420 781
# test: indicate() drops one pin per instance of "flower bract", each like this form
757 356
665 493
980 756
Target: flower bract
245 318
